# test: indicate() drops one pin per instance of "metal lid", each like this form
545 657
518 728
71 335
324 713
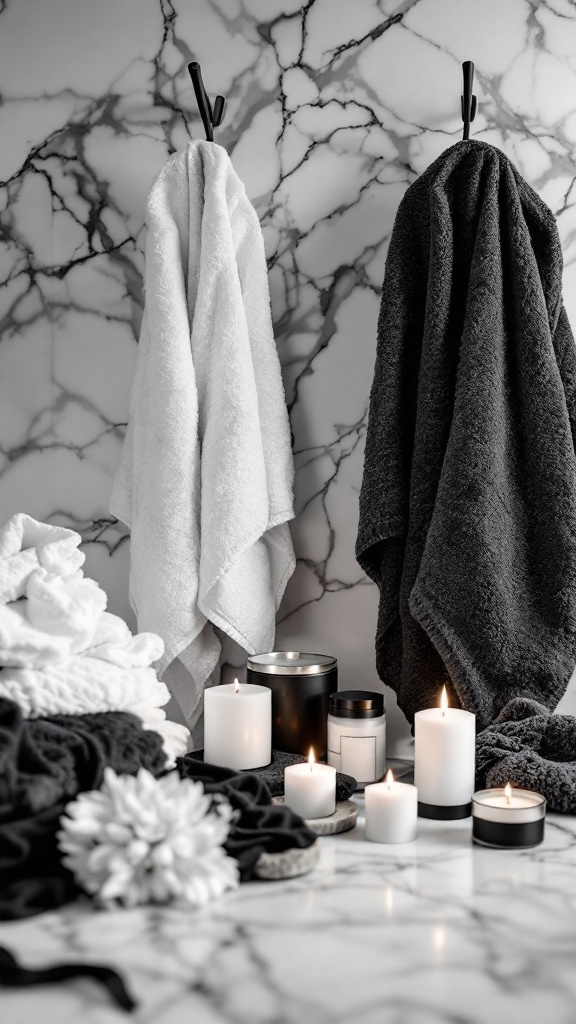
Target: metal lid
356 704
291 663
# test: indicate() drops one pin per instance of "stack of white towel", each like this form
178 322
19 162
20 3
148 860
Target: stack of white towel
60 651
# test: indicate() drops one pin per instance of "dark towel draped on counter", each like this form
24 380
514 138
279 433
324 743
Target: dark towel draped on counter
44 763
468 502
260 826
531 749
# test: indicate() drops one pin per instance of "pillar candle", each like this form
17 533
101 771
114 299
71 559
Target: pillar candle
391 811
310 789
238 725
444 759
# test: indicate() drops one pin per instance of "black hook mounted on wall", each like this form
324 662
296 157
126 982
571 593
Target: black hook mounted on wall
468 99
211 118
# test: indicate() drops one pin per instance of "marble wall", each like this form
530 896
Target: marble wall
333 109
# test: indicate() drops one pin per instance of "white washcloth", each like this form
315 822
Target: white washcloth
206 474
79 685
26 544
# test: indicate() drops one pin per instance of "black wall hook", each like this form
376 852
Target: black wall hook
211 118
468 99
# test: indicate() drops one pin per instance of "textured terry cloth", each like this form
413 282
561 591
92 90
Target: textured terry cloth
531 749
80 685
26 544
259 826
273 774
58 617
468 501
43 765
206 473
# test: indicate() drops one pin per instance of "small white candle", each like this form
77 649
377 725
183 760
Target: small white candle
238 725
508 818
391 811
444 758
310 789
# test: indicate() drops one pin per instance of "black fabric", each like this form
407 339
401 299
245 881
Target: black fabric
468 500
531 749
260 825
44 763
13 974
273 774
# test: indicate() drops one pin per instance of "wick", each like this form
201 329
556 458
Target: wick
443 712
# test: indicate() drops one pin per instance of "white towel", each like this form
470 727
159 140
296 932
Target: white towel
79 685
206 474
26 544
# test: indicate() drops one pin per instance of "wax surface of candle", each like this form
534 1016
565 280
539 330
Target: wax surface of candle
444 756
391 812
310 789
520 807
238 726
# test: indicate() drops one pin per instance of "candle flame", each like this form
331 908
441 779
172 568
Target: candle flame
311 758
443 701
389 778
507 792
236 686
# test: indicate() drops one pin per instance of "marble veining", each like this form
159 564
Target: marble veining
434 932
333 109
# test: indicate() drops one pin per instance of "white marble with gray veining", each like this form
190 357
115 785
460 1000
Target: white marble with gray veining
434 932
334 108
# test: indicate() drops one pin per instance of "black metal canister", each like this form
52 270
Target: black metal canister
301 685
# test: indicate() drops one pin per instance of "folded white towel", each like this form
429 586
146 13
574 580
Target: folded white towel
205 479
58 617
79 685
26 544
114 642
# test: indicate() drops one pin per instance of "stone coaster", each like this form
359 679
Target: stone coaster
344 818
288 864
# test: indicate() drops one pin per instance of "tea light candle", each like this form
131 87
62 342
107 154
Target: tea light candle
508 818
444 758
310 789
238 725
391 811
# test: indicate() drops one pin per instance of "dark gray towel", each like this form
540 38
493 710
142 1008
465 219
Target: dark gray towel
468 502
531 749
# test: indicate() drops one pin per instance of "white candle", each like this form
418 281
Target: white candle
508 818
391 811
444 758
238 725
310 789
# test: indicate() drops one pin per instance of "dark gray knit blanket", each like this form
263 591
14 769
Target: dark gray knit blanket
468 501
531 749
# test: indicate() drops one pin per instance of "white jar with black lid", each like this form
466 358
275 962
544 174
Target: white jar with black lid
357 735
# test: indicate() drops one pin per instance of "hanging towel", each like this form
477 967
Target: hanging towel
206 473
468 501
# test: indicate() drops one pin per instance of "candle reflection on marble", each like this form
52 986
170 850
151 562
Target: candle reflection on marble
444 760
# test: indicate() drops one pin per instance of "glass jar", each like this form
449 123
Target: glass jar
357 735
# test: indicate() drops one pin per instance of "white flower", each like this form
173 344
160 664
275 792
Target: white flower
139 839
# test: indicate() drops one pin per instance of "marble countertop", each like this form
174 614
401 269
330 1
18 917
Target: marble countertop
434 932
